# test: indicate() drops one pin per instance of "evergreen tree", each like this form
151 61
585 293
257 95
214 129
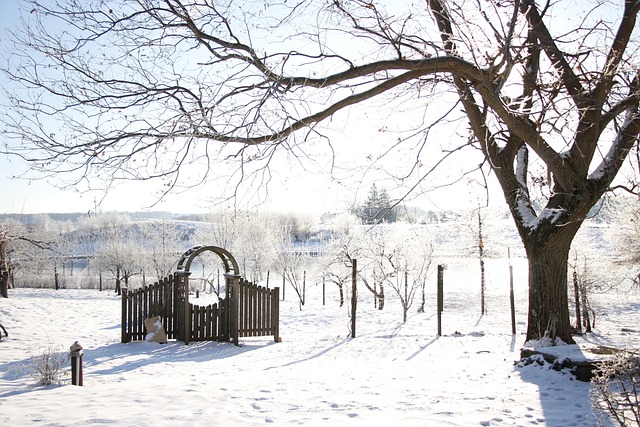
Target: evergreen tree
377 208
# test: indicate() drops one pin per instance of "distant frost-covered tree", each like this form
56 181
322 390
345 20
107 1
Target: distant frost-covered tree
336 258
377 261
624 234
26 250
292 259
119 248
257 251
399 259
164 242
247 235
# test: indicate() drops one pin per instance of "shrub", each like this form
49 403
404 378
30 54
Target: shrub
46 368
616 392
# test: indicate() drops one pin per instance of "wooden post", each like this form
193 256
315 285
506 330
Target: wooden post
483 307
585 310
576 292
123 326
234 310
354 295
275 315
100 282
323 290
511 297
186 319
440 296
233 301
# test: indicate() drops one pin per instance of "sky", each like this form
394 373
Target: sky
23 195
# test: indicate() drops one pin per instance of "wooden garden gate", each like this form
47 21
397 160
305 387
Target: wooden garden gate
248 310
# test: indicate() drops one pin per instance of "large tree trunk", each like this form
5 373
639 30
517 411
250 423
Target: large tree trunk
548 257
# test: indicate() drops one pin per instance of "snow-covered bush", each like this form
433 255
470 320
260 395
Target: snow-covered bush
616 392
47 367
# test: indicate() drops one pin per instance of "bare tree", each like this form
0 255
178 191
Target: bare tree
120 249
421 266
18 249
254 247
164 242
247 235
336 258
408 257
292 260
379 266
139 89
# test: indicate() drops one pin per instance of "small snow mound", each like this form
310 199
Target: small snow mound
545 341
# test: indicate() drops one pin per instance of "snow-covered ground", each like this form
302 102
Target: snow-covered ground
390 374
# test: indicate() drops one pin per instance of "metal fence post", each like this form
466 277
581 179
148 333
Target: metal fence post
75 352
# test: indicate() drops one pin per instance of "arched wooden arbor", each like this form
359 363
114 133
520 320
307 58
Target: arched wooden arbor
229 262
184 309
247 310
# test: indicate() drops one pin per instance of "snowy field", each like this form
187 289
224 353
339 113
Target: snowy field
391 374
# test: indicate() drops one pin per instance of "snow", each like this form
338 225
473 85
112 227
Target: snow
390 374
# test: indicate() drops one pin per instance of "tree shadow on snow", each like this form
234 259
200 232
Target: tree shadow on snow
564 399
138 354
118 358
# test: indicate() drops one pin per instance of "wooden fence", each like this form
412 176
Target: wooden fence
254 312
153 300
257 309
206 322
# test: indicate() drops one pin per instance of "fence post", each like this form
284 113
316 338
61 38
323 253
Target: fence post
354 296
124 337
275 314
511 297
512 301
441 268
75 352
233 294
576 292
187 310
